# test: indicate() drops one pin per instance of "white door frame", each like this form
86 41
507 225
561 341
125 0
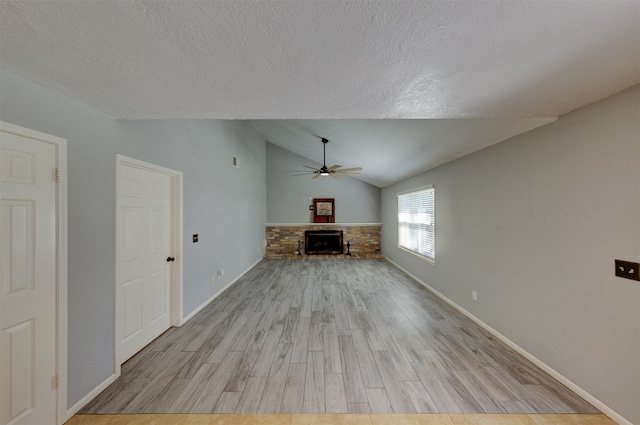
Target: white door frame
175 317
61 259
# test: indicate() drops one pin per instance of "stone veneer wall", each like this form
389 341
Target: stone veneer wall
282 240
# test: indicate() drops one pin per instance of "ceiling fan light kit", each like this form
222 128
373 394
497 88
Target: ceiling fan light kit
334 171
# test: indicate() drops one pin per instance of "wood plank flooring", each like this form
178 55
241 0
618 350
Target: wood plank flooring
331 336
341 419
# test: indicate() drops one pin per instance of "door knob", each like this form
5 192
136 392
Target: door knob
169 259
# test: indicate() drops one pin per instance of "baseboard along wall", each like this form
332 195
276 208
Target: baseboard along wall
555 374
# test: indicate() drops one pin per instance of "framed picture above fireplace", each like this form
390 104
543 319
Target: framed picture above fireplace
324 210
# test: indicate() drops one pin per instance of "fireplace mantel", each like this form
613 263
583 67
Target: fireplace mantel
320 224
282 239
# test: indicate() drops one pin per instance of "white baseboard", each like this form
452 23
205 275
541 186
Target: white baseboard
566 382
97 390
217 294
87 398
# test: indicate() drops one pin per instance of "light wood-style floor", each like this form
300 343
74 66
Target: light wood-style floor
341 419
331 336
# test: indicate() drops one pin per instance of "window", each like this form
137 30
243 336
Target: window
416 222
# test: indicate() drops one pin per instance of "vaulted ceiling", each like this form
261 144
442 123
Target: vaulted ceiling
397 87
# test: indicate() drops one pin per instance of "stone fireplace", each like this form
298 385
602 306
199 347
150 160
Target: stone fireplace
323 242
286 240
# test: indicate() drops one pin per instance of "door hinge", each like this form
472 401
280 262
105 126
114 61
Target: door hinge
54 382
56 175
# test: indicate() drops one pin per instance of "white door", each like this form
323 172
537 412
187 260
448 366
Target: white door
143 257
28 294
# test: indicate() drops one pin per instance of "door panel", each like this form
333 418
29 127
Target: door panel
158 294
20 250
143 245
132 308
28 306
17 166
158 232
21 349
132 222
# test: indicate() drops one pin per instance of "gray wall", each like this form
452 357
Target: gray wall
533 225
288 196
226 206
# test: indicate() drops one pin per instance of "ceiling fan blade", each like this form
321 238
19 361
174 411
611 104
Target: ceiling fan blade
303 174
334 171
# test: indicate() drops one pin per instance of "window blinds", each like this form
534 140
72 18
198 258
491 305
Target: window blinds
416 221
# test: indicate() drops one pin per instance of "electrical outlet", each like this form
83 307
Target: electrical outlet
474 296
220 272
627 269
194 238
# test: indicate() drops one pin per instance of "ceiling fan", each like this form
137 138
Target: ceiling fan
334 171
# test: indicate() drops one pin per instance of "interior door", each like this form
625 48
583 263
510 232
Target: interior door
28 295
143 257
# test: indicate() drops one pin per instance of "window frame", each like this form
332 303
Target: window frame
418 254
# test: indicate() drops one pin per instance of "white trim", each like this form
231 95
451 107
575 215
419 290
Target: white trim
176 244
31 134
217 294
93 394
61 261
320 224
418 256
563 380
176 278
417 189
63 291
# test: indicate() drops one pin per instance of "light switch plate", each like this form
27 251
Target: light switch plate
627 269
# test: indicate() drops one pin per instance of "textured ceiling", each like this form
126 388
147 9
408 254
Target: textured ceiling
502 66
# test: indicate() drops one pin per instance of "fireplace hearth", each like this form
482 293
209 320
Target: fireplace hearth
323 242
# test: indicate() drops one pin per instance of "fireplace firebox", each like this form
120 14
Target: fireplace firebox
323 242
